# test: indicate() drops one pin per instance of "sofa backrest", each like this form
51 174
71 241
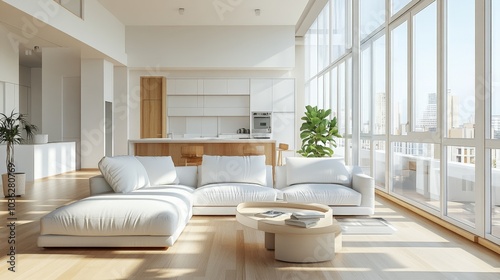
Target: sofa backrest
269 176
299 170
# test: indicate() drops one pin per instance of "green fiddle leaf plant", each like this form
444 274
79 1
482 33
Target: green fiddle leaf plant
317 133
11 127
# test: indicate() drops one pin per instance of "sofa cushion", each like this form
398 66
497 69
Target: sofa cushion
144 212
328 194
233 169
231 194
317 170
161 170
124 173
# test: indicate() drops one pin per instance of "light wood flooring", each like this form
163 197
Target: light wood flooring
220 248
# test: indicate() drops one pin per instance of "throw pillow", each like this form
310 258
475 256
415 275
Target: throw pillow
124 173
235 169
161 170
301 170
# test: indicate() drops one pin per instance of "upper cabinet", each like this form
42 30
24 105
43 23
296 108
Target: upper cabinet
261 95
184 86
273 95
283 95
226 87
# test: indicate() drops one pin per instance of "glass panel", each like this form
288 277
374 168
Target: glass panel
399 79
312 51
323 38
397 5
333 93
495 192
307 93
415 172
313 92
365 158
460 110
320 97
366 90
495 73
379 164
425 70
348 94
342 113
326 92
379 86
371 16
338 29
461 184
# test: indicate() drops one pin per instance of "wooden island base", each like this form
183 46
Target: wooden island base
215 147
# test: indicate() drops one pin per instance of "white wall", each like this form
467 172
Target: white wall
58 63
240 47
120 111
36 98
97 87
9 58
99 29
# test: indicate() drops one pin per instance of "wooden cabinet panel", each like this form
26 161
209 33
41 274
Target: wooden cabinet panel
153 107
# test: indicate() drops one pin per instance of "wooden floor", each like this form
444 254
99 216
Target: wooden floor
220 248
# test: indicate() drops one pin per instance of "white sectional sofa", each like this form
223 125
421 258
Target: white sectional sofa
147 202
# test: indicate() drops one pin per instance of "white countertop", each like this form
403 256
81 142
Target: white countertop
199 140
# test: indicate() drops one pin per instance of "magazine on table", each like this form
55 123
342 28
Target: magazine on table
302 223
270 214
307 214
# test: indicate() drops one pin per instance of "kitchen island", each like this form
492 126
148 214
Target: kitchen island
211 146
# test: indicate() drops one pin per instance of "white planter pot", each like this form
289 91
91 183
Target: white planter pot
20 183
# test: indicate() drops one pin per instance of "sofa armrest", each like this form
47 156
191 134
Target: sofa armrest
98 185
365 185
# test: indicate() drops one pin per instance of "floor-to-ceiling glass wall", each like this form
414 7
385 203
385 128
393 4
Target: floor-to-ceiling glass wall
421 134
493 144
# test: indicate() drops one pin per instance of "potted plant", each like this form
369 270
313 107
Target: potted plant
11 128
317 133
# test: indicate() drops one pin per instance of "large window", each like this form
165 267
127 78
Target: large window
397 5
324 38
340 29
399 79
425 96
495 192
460 94
371 16
495 70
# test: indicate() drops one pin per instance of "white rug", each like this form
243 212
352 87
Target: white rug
365 226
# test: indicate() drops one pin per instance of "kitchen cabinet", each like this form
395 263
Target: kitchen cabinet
261 95
184 86
153 107
284 128
283 95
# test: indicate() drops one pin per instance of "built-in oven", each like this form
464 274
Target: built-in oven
261 125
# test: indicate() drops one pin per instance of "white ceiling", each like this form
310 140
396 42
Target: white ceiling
207 12
299 13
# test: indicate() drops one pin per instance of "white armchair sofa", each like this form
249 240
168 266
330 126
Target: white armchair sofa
147 202
327 181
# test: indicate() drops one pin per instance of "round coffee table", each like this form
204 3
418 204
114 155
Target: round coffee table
292 243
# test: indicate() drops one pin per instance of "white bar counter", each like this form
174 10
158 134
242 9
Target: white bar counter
41 160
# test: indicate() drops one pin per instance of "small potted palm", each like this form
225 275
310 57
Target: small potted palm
317 133
11 133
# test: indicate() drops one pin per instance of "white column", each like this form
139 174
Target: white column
120 111
97 88
9 72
